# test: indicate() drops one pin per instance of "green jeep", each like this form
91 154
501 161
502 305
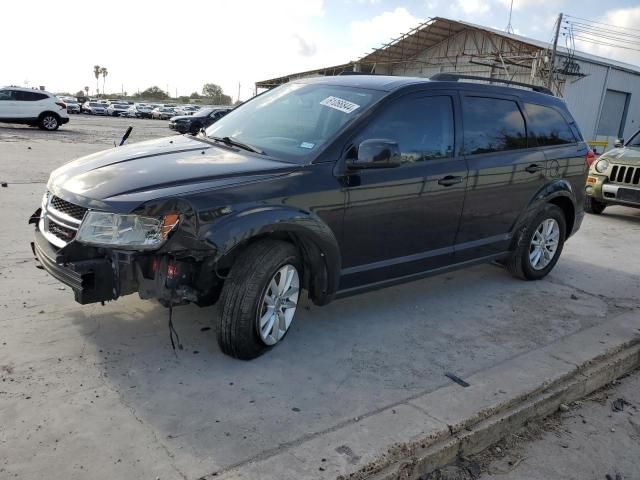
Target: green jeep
614 178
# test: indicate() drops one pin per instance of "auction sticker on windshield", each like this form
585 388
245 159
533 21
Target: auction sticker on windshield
339 104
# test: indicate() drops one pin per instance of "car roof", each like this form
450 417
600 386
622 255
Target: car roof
387 83
23 89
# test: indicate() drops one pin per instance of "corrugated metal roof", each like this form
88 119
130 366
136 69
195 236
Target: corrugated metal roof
431 33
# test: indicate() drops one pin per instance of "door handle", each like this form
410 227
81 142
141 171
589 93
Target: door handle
533 168
449 180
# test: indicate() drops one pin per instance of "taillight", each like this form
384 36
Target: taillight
589 158
61 104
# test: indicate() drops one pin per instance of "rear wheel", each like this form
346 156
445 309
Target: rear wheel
591 205
49 121
540 245
259 299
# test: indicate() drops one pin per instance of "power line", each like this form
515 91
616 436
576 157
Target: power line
605 44
583 26
601 23
577 31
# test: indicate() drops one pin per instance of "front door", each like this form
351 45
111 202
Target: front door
7 104
402 221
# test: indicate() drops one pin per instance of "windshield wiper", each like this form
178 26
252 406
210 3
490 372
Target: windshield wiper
234 143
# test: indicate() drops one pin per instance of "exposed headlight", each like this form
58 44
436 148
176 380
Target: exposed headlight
602 165
126 231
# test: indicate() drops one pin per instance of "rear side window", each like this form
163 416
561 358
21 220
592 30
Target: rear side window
422 127
30 96
492 125
547 126
6 95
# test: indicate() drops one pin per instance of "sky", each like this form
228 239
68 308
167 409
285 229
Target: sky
180 46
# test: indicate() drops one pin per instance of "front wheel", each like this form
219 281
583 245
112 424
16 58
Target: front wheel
540 245
49 121
259 299
591 205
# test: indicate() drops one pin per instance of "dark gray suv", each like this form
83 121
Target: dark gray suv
332 185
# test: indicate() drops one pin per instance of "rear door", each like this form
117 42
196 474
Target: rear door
7 104
403 220
504 173
30 104
555 132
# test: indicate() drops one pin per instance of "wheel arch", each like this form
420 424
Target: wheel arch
314 240
558 193
42 114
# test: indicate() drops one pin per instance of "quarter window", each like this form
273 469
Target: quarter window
422 126
547 126
492 125
6 95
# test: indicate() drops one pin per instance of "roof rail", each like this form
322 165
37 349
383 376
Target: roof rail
454 77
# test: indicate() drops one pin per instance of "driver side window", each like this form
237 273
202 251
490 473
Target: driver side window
422 126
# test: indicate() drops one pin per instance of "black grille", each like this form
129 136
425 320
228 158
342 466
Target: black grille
70 209
624 174
63 233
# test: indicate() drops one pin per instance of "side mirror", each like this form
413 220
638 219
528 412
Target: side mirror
619 143
376 153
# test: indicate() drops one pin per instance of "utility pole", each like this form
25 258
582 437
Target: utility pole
552 65
238 92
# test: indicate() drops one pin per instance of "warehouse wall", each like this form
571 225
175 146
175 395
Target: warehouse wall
462 53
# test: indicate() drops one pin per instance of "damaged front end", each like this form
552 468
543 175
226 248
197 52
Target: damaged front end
102 256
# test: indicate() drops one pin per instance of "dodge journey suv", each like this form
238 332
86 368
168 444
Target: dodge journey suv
332 185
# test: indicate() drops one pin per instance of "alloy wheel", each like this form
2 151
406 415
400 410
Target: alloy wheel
279 304
544 244
50 122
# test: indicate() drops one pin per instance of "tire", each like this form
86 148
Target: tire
49 122
195 129
591 205
245 296
522 261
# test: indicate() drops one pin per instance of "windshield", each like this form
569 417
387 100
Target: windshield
203 113
295 120
634 141
96 105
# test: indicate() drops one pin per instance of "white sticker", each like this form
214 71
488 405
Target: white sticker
339 104
307 145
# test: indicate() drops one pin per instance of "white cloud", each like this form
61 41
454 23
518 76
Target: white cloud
474 6
623 18
523 4
226 43
367 34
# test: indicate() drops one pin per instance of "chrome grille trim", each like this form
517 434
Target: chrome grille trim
55 225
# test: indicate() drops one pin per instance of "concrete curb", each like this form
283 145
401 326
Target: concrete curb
421 434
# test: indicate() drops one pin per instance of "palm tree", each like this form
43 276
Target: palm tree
96 73
104 73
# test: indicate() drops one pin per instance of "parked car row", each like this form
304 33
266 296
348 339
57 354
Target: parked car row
196 122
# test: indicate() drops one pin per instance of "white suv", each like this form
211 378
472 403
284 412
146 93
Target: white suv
33 107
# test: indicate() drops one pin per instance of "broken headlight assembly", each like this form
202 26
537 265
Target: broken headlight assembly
130 231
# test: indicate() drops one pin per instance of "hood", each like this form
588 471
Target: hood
624 156
156 169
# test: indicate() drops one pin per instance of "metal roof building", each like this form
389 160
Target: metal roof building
602 94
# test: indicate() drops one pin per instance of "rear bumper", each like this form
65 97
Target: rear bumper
92 280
